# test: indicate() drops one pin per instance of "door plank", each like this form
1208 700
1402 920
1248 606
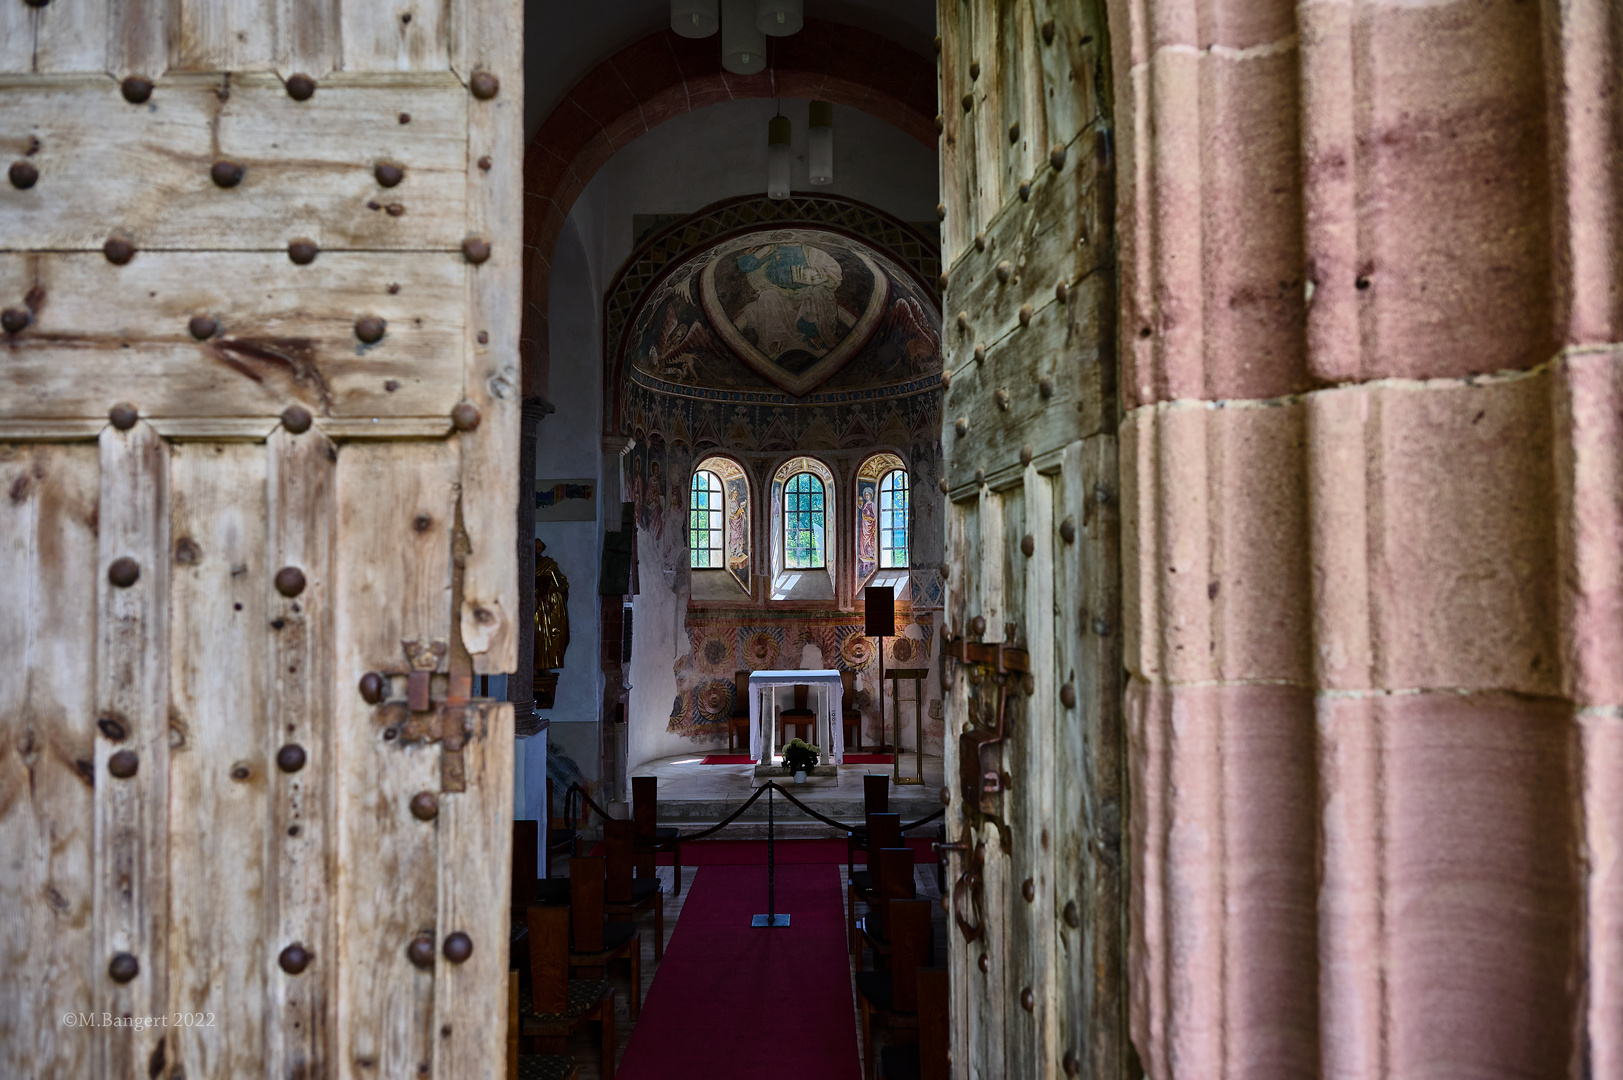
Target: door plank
989 571
475 867
137 37
1042 830
220 35
300 499
957 138
47 738
107 167
218 771
17 30
287 335
72 37
308 37
396 505
408 35
131 913
490 37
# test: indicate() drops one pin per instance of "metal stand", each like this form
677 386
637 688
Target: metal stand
771 918
917 676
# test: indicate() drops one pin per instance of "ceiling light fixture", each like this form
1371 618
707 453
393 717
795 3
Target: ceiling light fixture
820 142
777 157
743 46
779 18
694 18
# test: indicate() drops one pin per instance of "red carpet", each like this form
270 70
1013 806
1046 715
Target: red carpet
868 759
727 759
790 852
732 1002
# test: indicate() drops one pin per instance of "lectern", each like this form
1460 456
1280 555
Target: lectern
879 621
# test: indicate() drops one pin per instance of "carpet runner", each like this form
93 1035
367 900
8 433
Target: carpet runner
732 1002
727 759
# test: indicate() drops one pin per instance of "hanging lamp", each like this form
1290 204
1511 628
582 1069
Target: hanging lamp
777 158
694 18
820 142
779 18
743 46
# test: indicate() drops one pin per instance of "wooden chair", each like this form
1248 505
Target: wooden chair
627 897
556 1006
893 996
850 715
798 717
884 831
926 1059
531 1066
652 837
893 880
738 724
526 865
593 941
875 800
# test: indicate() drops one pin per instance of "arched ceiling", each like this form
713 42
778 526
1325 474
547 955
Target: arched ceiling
803 311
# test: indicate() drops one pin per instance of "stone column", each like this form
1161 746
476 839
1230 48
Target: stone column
521 684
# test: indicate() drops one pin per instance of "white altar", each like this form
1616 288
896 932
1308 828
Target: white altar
830 700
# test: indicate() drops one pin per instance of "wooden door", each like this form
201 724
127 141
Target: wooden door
259 395
1029 435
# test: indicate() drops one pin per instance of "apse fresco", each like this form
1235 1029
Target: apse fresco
796 306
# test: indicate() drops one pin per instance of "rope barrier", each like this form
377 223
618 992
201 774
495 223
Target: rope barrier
576 793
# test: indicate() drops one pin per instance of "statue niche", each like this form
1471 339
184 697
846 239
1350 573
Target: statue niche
551 625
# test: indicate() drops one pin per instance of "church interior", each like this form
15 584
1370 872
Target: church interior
833 539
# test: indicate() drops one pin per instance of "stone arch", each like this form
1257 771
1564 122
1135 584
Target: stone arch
663 76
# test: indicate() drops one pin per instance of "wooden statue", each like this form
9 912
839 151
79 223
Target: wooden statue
551 612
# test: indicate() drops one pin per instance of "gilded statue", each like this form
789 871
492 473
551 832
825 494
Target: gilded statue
551 612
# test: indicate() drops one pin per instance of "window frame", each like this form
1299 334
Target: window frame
818 530
886 549
717 514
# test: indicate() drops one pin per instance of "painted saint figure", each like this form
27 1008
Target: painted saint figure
551 612
795 307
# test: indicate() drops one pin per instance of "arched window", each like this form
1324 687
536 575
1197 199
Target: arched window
893 520
707 512
803 516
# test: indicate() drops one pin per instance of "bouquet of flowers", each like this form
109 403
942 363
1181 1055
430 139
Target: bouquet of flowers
800 755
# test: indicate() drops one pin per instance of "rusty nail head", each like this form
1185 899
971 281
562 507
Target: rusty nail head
974 69
946 380
425 806
980 353
1056 156
1028 545
371 688
1067 529
23 174
1045 386
1072 919
1073 1067
942 484
484 85
124 572
1002 399
946 570
961 425
290 758
1028 1000
1061 291
123 764
294 959
15 320
1067 695
123 416
1028 889
465 416
123 967
1026 454
946 796
1014 132
1025 314
421 951
388 173
1048 32
136 89
300 87
985 964
484 337
296 418
202 327
458 947
963 320
1004 272
405 118
484 163
977 625
980 477
980 241
226 173
967 101
942 281
118 250
302 251
370 328
290 581
1025 191
940 123
475 249
941 211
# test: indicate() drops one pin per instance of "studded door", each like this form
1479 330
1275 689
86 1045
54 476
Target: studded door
259 391
1033 754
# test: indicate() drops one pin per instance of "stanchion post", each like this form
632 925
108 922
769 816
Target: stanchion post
771 918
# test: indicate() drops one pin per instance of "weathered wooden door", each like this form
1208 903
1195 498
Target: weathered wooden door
1034 739
259 398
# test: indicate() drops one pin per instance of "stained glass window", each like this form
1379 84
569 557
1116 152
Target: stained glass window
803 516
706 513
893 520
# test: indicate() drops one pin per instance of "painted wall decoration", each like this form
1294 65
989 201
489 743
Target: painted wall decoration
565 500
867 501
794 304
736 516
